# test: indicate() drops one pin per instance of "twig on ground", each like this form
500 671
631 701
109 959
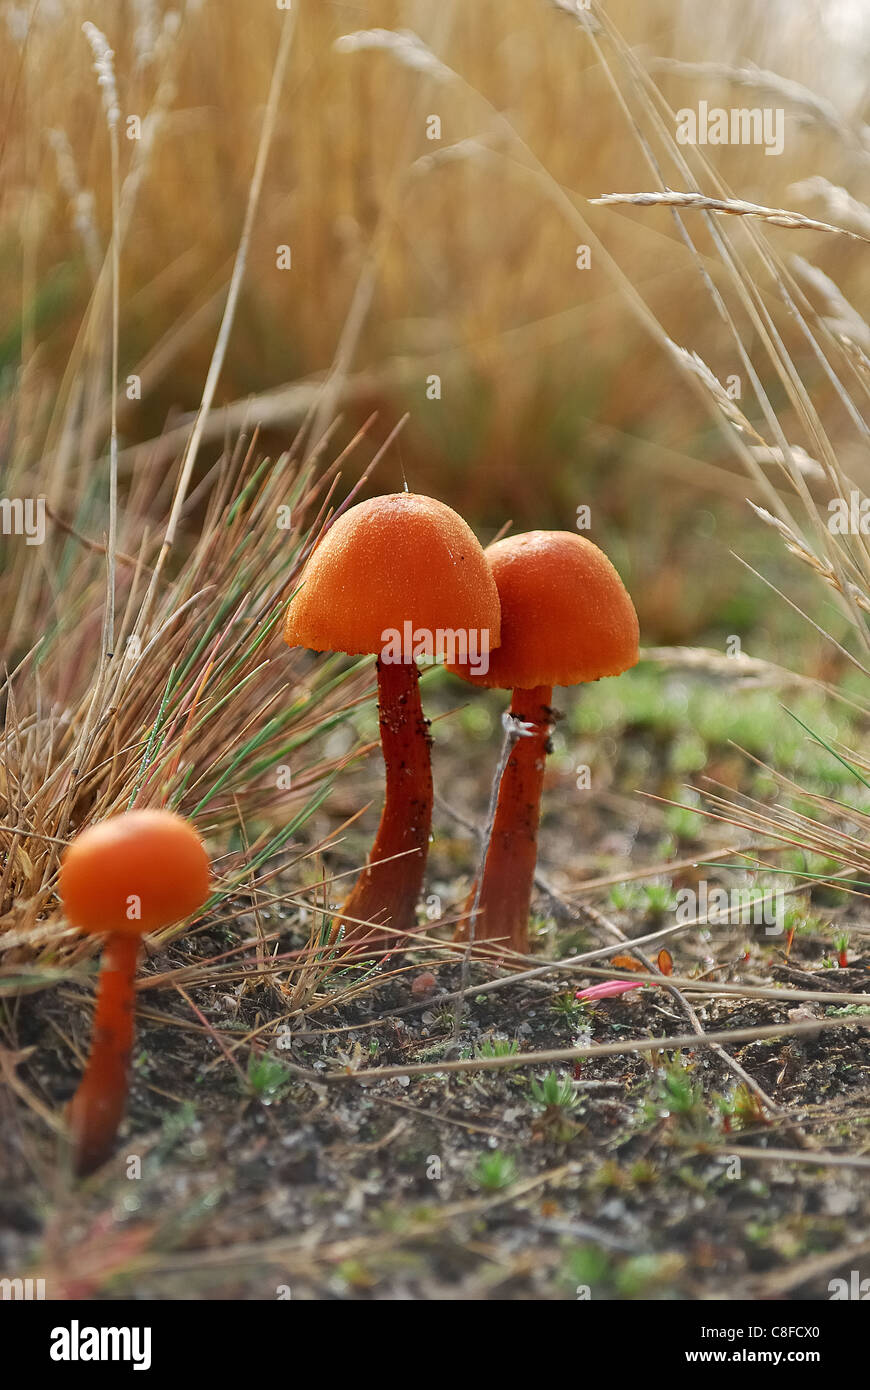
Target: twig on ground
673 1043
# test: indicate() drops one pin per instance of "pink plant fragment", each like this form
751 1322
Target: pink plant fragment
608 987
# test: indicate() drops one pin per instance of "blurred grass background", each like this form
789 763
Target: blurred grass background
552 394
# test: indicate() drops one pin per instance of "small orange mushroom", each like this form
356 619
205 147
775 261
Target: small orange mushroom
406 565
566 618
129 875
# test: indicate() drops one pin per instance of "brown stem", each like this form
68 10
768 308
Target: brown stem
509 871
387 892
98 1104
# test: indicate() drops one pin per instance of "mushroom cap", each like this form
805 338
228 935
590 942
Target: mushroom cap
566 614
387 561
148 862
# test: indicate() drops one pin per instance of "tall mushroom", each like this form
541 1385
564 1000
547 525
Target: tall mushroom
566 619
395 576
129 875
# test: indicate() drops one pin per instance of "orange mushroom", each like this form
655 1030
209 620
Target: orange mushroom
126 876
566 619
396 576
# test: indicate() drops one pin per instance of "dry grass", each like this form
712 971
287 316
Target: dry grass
200 708
153 680
759 300
496 306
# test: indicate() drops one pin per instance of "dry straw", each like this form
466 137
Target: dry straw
736 207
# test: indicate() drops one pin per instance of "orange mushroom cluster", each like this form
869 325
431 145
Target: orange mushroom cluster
556 613
396 577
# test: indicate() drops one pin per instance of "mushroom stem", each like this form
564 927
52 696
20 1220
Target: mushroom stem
509 870
98 1104
388 888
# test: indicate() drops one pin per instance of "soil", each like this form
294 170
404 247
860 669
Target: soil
237 1179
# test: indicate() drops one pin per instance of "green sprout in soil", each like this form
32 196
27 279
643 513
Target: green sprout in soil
556 1101
740 1109
651 900
624 896
554 1092
797 921
612 1176
267 1078
658 899
498 1047
595 1273
684 821
494 1171
568 1007
675 1096
587 1268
